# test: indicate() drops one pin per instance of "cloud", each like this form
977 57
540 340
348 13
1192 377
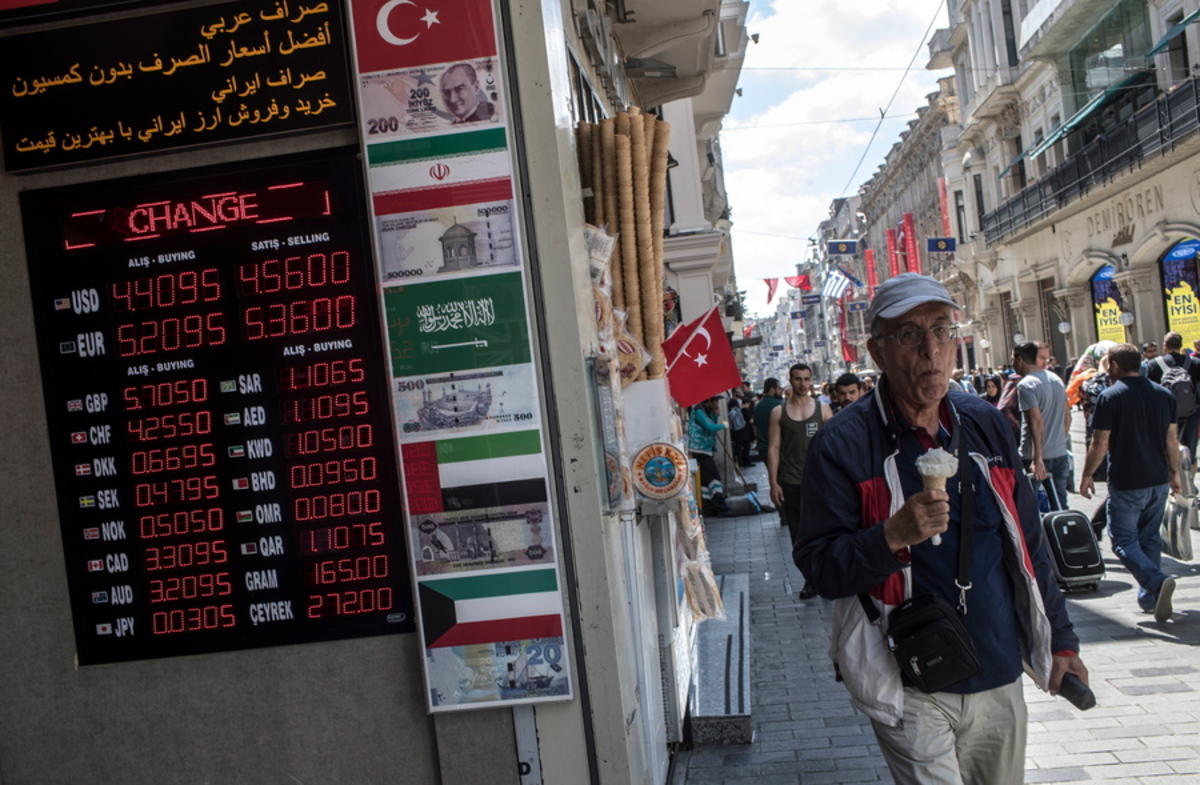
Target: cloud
813 89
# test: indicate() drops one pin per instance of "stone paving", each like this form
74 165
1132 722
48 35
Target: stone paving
1145 729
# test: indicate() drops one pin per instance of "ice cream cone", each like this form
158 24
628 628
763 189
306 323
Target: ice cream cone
934 483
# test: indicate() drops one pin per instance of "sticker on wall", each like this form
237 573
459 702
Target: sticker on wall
431 99
660 471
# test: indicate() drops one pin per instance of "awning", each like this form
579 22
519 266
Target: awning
1175 31
1012 163
1088 109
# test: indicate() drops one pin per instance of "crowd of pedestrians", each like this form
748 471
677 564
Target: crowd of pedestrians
841 460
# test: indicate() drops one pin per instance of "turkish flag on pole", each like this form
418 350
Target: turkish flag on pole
700 361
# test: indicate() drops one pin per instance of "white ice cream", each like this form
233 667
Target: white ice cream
937 463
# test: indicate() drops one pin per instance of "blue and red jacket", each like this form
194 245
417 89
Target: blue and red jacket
861 467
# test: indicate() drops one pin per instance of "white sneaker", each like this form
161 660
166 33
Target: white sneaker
1162 606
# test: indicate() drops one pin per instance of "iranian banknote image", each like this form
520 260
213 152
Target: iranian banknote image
431 99
522 670
454 541
467 402
447 241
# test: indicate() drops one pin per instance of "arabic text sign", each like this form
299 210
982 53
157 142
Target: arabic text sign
181 78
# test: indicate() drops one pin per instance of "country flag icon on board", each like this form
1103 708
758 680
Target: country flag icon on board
91 533
95 565
99 597
75 405
245 516
66 347
83 469
235 418
241 483
87 501
249 548
229 385
104 629
237 451
62 303
79 437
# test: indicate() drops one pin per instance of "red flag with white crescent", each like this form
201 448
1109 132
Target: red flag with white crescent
406 33
700 361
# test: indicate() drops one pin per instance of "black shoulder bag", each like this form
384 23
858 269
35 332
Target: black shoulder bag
927 636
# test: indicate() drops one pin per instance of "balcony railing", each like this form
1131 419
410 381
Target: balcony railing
1155 129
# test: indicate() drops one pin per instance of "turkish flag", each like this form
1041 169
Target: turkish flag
403 34
800 282
771 284
700 360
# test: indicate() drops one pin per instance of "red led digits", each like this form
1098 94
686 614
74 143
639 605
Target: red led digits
298 317
205 617
182 457
325 407
171 334
294 272
324 374
349 602
177 393
349 470
186 554
170 426
183 489
184 522
336 505
190 587
340 538
165 291
362 568
347 437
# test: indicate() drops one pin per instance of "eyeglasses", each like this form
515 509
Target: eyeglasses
913 336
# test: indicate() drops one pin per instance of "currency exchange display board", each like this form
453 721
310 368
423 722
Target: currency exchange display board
219 418
435 125
181 77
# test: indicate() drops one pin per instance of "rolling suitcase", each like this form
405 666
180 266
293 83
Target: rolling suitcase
1078 563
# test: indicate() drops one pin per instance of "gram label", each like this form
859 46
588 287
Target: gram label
467 402
518 535
512 670
432 99
447 241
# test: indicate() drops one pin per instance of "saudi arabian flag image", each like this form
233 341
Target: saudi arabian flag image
490 608
457 325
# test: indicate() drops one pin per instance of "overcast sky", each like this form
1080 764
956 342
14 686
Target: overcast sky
812 91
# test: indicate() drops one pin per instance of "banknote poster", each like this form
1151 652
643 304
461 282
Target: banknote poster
458 404
523 670
448 241
456 541
457 325
431 99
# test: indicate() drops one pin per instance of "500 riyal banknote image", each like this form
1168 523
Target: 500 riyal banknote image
447 240
467 402
455 541
431 99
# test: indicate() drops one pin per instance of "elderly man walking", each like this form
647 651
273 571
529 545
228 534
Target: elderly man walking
871 537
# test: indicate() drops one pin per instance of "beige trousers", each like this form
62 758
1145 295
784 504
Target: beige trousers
950 739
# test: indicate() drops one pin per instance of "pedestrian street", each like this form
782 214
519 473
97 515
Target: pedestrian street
1144 730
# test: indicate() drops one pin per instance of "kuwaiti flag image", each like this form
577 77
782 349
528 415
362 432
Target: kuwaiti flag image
492 607
837 281
430 163
495 470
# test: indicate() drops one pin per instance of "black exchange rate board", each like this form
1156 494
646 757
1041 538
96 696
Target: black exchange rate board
220 423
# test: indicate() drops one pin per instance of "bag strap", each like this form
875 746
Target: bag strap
1162 362
966 496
